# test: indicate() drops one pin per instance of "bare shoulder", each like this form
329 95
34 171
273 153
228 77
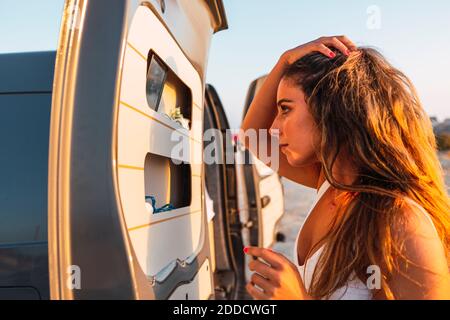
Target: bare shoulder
415 222
422 242
423 271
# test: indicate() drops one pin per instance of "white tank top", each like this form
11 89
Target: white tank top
355 289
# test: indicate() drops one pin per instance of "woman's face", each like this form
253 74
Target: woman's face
297 131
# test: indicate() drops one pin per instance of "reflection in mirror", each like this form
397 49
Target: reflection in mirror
156 76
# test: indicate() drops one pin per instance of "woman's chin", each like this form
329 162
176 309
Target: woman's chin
293 161
297 160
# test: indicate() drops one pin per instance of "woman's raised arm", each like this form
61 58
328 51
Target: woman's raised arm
263 110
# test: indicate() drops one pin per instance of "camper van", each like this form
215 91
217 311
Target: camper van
94 203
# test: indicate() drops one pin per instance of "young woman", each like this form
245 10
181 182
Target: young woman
351 125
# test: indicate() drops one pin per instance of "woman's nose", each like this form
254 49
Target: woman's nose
274 129
274 132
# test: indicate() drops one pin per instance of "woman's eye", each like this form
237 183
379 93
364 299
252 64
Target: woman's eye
284 109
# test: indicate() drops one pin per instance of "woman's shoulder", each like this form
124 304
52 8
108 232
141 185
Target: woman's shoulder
419 253
416 236
414 220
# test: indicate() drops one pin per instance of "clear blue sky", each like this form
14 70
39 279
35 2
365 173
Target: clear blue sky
29 25
414 35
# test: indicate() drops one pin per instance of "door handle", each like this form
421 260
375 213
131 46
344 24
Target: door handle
265 201
280 237
162 4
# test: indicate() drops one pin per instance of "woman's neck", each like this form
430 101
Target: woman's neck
343 173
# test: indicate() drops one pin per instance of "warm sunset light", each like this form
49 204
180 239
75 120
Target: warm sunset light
204 150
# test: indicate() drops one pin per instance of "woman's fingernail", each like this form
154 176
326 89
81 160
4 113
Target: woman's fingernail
332 54
245 249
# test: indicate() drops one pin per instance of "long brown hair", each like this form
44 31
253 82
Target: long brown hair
365 106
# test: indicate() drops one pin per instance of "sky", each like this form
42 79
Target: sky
414 35
29 25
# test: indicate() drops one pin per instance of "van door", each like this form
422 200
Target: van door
159 168
264 191
126 200
89 257
222 186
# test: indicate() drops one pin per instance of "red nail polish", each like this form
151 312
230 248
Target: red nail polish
332 54
245 249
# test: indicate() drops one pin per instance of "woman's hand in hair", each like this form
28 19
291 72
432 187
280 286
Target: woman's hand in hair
277 276
322 44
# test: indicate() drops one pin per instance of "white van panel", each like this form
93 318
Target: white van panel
270 186
139 134
156 37
198 289
161 243
262 169
161 238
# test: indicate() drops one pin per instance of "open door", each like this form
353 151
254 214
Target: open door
221 185
126 210
264 191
